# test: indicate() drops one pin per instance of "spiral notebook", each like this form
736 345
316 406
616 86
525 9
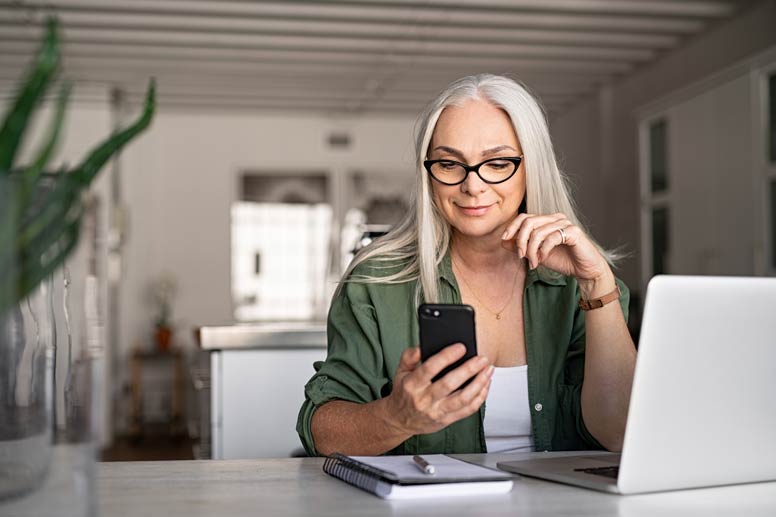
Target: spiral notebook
397 477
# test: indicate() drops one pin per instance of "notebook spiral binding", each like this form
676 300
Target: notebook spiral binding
356 473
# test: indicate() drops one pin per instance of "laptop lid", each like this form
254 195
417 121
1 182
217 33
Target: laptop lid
703 404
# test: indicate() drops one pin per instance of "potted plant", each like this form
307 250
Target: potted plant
40 221
163 290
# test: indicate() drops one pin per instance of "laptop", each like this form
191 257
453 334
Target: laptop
703 403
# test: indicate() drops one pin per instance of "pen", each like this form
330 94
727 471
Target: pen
423 465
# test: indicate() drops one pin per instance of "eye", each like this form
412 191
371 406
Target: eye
446 165
499 164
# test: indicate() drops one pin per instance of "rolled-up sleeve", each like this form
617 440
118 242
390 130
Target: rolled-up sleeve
354 368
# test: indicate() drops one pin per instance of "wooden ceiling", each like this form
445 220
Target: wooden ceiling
347 56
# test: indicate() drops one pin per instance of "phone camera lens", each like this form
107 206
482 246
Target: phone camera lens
436 313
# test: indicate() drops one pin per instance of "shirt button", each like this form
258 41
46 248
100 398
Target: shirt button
538 407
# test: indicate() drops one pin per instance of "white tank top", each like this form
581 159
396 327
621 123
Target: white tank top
507 411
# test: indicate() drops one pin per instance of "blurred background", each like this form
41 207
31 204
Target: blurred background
283 142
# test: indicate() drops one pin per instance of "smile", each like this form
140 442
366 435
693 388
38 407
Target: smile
474 210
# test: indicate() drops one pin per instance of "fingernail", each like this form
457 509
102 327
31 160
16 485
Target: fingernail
491 369
503 237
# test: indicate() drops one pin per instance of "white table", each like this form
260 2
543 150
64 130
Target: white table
298 487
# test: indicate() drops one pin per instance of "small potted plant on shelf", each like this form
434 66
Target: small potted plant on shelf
163 290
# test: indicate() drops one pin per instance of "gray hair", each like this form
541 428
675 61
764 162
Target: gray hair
420 241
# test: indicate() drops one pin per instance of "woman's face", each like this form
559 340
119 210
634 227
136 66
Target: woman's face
471 133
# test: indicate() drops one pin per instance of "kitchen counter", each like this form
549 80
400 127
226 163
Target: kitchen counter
267 335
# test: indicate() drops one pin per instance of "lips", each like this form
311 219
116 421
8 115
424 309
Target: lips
474 210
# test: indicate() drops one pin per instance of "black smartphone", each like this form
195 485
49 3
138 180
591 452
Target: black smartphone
442 325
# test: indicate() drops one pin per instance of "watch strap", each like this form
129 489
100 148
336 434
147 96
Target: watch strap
597 303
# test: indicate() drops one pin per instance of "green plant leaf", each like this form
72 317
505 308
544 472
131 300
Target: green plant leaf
40 213
49 206
15 288
29 96
102 153
42 229
32 173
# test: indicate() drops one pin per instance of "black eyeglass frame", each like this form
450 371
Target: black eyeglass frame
516 160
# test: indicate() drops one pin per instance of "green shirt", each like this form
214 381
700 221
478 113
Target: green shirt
370 325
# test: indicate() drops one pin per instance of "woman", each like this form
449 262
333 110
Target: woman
492 226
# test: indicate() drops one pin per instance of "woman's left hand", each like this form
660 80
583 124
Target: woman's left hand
537 238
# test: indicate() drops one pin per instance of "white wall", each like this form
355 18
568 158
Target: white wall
712 175
580 151
181 177
612 179
711 167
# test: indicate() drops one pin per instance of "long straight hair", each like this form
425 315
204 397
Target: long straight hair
421 239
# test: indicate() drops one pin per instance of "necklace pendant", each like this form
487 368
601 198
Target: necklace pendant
498 316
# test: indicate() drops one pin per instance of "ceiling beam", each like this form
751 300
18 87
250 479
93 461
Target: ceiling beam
375 30
703 8
315 45
402 15
147 55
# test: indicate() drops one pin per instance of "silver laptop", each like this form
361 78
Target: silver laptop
703 404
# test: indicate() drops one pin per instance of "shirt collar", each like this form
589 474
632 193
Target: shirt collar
446 269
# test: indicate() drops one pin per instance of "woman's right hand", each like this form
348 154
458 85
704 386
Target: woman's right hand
418 406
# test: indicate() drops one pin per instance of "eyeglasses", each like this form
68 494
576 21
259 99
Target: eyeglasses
494 170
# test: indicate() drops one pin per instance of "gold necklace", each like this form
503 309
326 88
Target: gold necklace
512 293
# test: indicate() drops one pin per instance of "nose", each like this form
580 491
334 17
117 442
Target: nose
473 184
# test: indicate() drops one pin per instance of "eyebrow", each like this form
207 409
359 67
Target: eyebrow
487 152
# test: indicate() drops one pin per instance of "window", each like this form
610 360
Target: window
769 169
656 198
658 156
281 242
660 240
279 260
772 200
772 117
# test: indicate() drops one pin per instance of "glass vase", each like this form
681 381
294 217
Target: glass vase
47 397
27 343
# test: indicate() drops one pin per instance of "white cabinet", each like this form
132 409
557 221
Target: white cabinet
256 396
257 387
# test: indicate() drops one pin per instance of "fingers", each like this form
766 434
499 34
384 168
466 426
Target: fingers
520 229
439 361
424 407
472 397
409 359
531 232
527 229
455 378
514 226
547 236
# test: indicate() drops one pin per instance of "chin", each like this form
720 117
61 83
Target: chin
476 228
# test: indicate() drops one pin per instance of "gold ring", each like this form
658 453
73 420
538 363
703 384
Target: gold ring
562 236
